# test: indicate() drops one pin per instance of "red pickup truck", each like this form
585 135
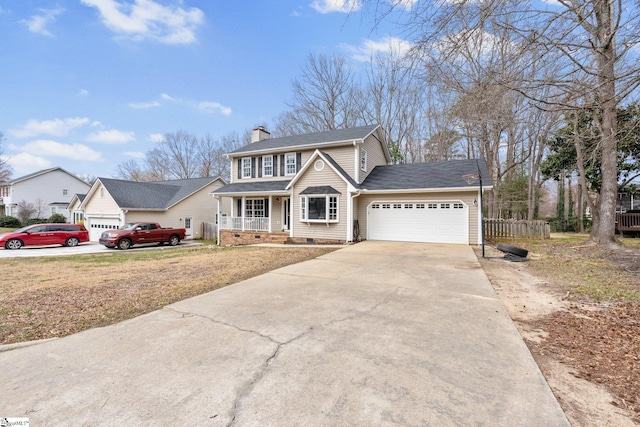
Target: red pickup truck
141 232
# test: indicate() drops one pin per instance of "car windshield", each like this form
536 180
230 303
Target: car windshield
129 226
23 229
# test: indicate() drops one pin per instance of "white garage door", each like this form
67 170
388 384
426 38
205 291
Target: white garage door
422 221
97 225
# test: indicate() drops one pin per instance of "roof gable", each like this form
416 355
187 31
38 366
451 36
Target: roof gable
310 140
159 195
430 175
332 164
42 172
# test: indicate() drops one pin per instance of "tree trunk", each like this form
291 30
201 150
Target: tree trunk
604 233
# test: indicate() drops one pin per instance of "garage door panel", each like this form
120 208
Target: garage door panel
424 221
98 225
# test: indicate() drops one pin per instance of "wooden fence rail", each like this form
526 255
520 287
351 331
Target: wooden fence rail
536 229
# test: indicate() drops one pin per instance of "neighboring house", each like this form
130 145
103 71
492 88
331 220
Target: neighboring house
338 186
110 203
75 213
48 190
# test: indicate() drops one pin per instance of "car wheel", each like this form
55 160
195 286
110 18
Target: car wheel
174 240
72 241
13 244
124 244
514 250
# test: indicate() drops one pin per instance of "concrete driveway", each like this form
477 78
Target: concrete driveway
83 248
375 334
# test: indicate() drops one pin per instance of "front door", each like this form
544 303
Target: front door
286 213
188 226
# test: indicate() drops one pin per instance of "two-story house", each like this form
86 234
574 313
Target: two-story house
338 186
49 191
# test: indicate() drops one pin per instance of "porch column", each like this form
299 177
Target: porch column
269 213
219 218
243 211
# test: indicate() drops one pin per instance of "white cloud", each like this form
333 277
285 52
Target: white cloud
156 137
55 127
135 154
370 48
213 107
144 105
404 4
146 19
38 23
23 163
47 148
168 98
112 136
343 6
83 92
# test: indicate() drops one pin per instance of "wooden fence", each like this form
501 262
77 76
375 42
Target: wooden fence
209 231
536 229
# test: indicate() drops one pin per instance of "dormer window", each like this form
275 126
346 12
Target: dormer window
290 163
246 167
363 160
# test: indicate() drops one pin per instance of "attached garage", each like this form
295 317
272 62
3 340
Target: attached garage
98 225
429 221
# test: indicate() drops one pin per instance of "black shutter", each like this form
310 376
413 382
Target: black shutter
259 167
239 213
266 207
275 165
253 167
239 168
281 164
298 161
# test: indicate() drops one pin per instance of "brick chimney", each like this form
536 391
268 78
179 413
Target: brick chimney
259 133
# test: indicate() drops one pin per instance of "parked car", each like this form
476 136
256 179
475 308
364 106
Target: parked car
141 232
45 234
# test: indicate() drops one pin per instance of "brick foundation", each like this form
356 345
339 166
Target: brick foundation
238 238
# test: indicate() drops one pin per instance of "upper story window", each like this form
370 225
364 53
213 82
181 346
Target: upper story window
363 160
246 167
64 191
290 163
101 192
267 166
4 191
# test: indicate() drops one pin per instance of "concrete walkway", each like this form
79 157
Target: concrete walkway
375 334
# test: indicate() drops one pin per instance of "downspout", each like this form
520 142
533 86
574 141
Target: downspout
357 161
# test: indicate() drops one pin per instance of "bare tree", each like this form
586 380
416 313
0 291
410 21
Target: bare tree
591 43
5 167
25 211
131 170
323 97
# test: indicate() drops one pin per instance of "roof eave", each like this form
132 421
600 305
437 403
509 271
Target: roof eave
425 190
294 147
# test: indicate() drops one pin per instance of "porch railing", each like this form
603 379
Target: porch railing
246 224
628 221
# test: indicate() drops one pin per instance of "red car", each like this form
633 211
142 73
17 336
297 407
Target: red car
45 234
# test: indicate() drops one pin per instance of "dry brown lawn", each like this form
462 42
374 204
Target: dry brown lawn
57 296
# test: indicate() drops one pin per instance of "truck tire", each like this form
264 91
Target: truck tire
174 240
514 250
124 244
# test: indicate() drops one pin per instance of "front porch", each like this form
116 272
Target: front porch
245 223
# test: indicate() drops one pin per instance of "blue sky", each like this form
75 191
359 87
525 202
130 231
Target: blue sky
87 84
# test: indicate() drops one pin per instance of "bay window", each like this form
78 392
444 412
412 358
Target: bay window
319 208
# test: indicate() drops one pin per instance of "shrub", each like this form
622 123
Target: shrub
57 218
32 221
9 222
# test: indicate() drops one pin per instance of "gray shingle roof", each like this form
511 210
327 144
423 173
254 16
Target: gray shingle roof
323 189
445 174
253 187
152 195
341 171
285 142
